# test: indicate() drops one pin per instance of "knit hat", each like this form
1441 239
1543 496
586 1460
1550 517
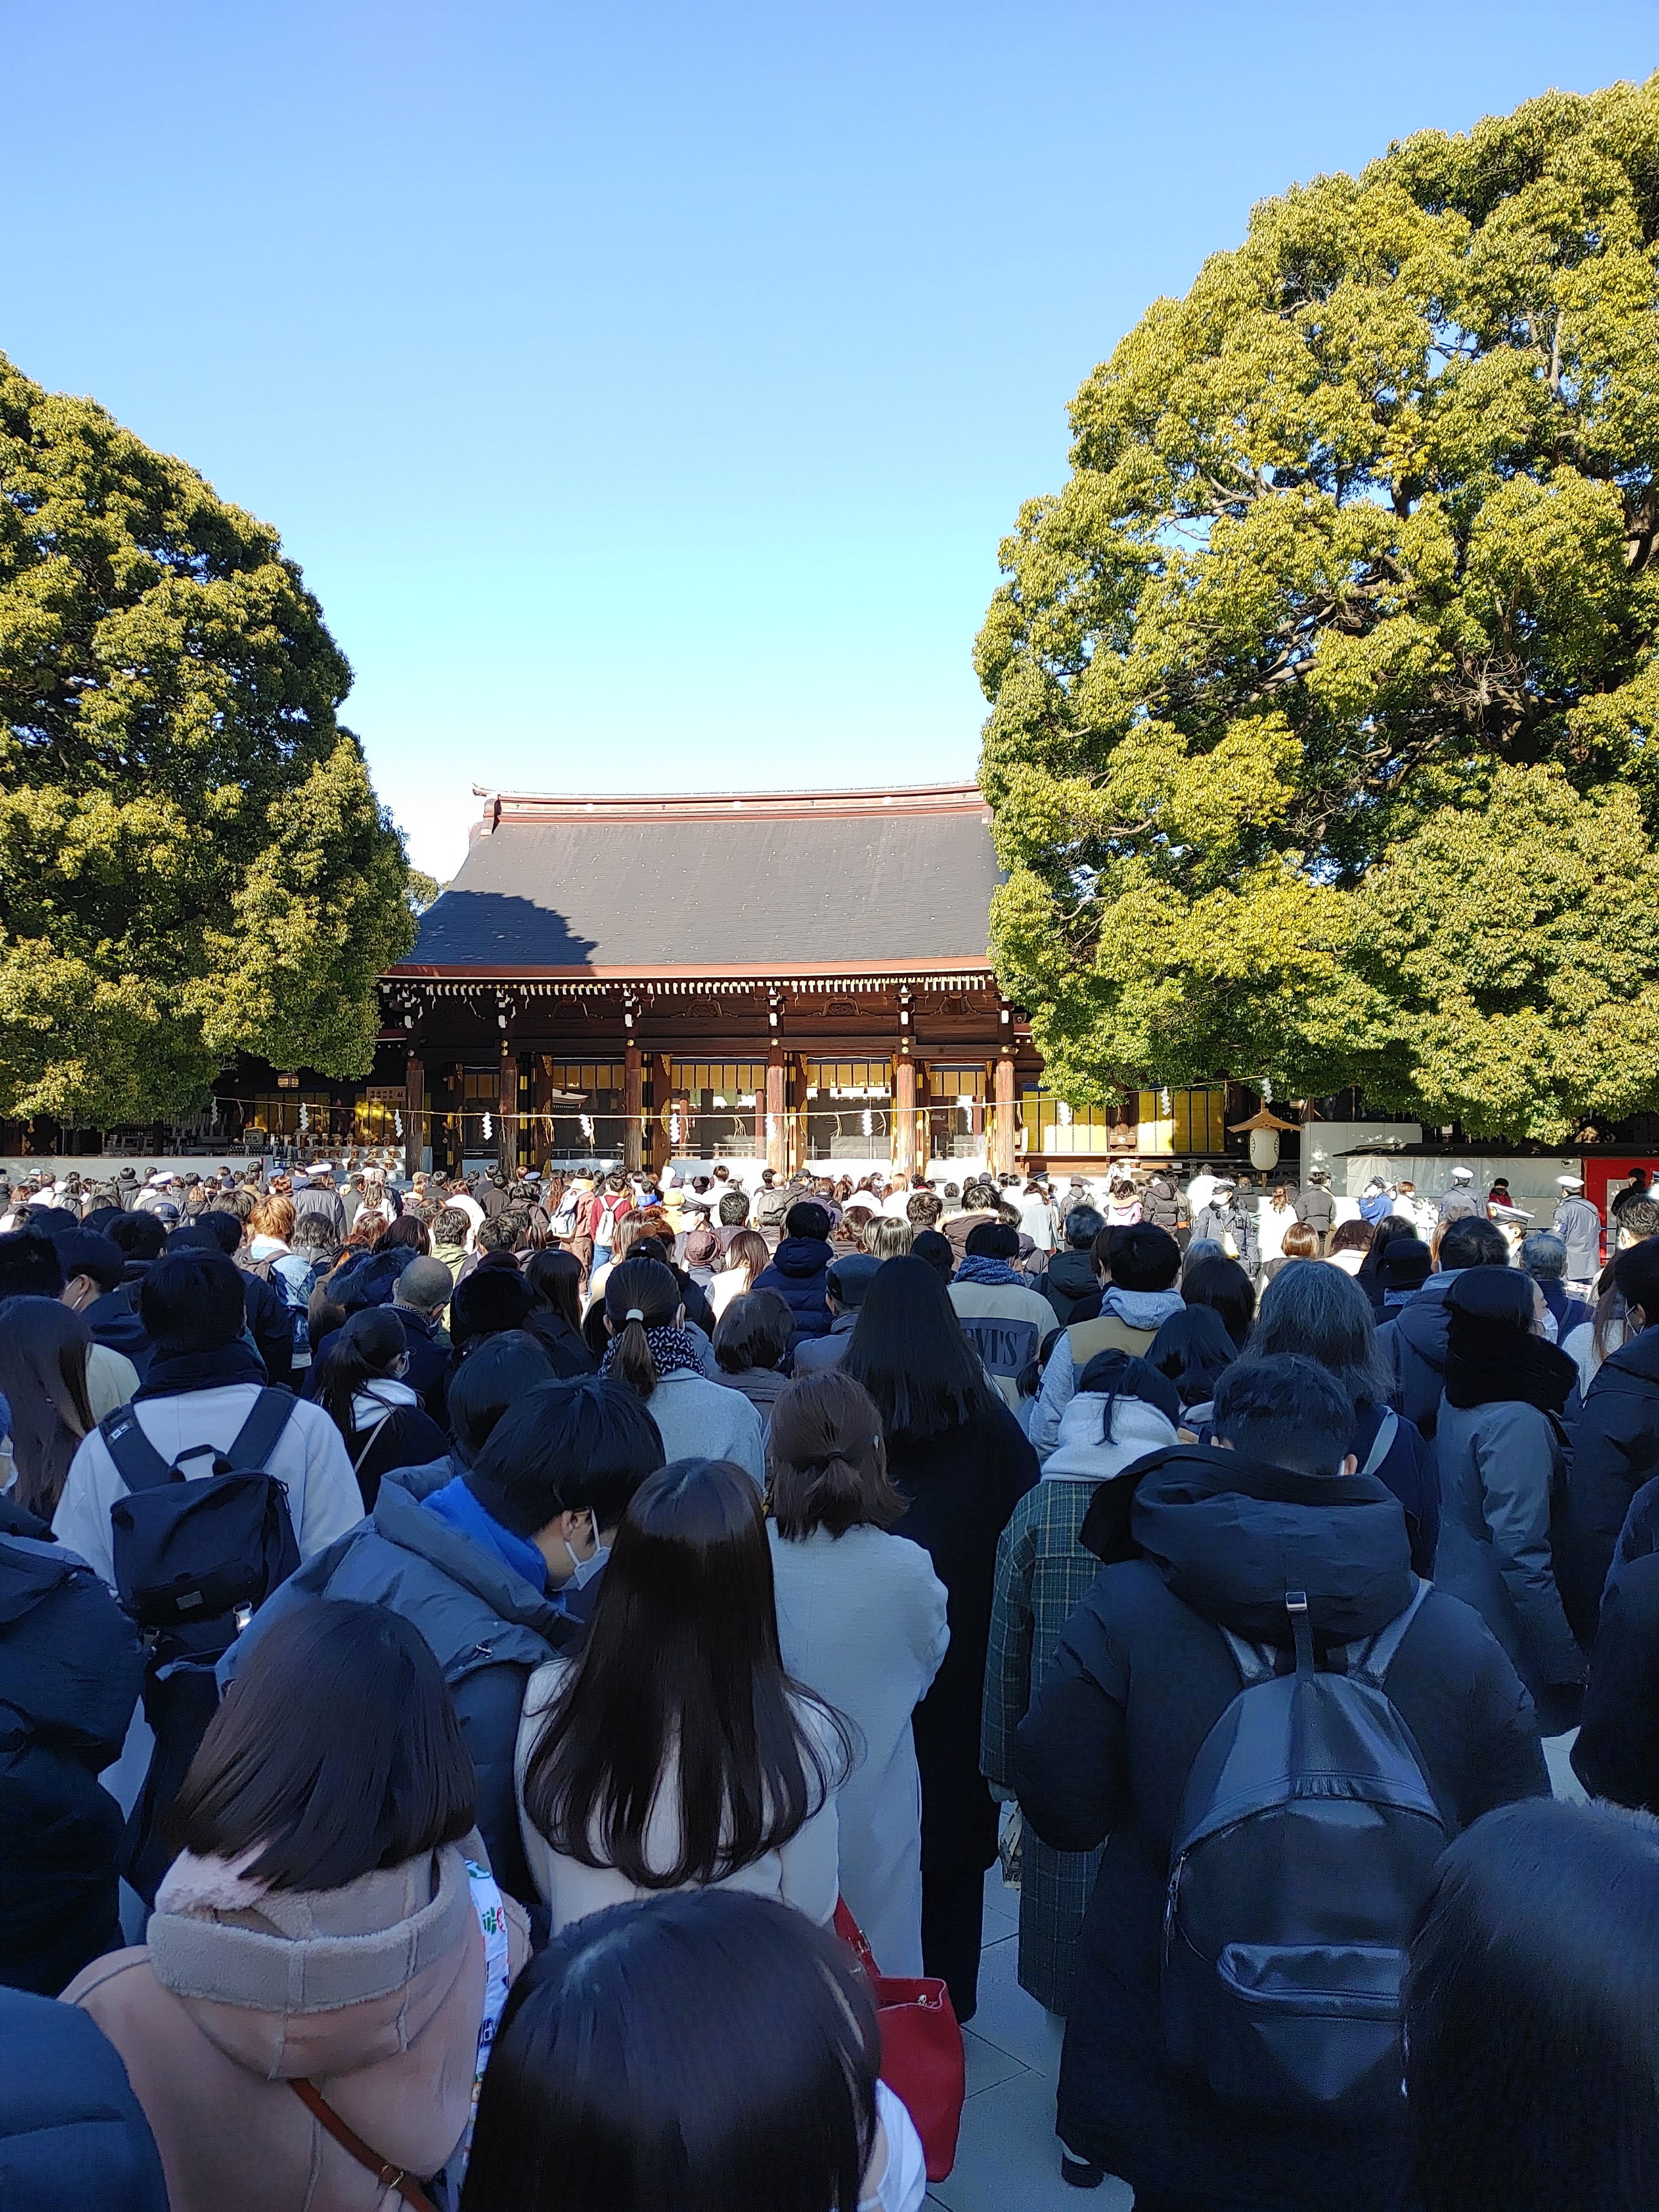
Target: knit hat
1405 1265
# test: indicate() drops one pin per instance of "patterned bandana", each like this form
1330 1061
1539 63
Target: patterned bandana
673 1352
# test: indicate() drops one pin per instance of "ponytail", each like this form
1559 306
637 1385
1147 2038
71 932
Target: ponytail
829 1464
639 1295
363 1352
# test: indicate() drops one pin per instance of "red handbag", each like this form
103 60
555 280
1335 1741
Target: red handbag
921 2060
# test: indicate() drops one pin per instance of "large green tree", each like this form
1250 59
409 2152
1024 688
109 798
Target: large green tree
192 860
1367 521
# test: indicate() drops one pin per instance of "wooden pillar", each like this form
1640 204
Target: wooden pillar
760 1120
662 1102
507 1117
457 1126
775 1123
1002 1135
633 1109
904 1115
414 1113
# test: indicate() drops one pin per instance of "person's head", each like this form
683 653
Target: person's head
909 1352
993 1240
748 1250
1143 1258
1299 1241
1115 1375
561 1464
1324 1315
1287 1410
733 1209
407 1233
753 1331
1489 1310
1636 1277
886 1238
424 1287
682 1661
597 2095
1637 1221
1352 1237
273 1217
335 1752
849 1277
1532 2014
806 1218
1472 1243
372 1347
1544 1257
555 1278
1193 1349
451 1226
30 1266
1221 1284
489 1300
92 1265
43 1376
1405 1265
494 1374
193 1300
640 1295
924 1209
933 1247
1083 1224
828 1461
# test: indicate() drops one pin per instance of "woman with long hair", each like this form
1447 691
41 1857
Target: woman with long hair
960 1461
1194 1349
675 1753
651 1350
555 1277
360 1386
862 1620
745 1255
322 1953
44 1349
603 2096
1212 1279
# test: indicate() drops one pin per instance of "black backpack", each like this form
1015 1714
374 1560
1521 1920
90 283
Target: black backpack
195 1558
1306 1843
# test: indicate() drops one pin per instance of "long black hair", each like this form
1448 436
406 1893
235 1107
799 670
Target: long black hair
682 1663
366 1351
1532 2014
1195 1351
1214 1280
555 1277
909 1352
706 2051
337 1751
44 1349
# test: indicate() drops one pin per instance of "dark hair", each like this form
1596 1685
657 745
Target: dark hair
1286 1411
1322 1313
923 1208
753 1331
555 1277
1635 1272
29 1265
365 1351
935 1249
1472 1243
84 1252
452 1226
337 1751
1194 1349
806 1218
909 1352
193 1300
1531 2006
598 2095
1114 1374
324 1314
209 1233
407 1229
828 1460
1145 1257
487 1301
565 1447
1352 1237
991 1240
1640 1219
141 1236
734 1209
653 1290
1221 1284
495 1374
682 1662
43 1375
1083 1224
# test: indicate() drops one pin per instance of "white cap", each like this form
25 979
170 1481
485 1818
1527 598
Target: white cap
322 1167
1570 1182
1463 1174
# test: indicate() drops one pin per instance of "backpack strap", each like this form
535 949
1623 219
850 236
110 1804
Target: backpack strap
1382 1442
137 1462
1370 1662
257 1437
1255 1661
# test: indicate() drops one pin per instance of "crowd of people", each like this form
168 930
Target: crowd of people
473 1649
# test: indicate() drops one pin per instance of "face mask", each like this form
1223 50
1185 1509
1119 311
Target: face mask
583 1571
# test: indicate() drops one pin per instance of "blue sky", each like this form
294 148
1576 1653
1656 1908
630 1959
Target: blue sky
644 390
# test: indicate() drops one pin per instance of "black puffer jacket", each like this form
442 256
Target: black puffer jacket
1614 1431
1141 1676
1069 1282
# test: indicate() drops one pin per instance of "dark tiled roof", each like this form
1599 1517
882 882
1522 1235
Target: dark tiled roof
855 879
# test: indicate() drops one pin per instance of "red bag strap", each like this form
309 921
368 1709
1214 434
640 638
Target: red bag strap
388 2176
853 1936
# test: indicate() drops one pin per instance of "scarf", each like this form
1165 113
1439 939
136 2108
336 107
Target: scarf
974 1269
673 1352
1491 1363
457 1509
203 1370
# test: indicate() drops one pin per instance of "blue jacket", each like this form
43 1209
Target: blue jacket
799 1274
71 2134
70 1669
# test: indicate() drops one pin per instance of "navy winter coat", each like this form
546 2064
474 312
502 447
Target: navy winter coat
799 1274
72 2137
70 1669
1614 1430
1141 1676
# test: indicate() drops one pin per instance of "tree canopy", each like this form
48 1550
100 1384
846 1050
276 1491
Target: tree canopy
192 860
1313 690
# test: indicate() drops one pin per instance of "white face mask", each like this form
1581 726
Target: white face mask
582 1571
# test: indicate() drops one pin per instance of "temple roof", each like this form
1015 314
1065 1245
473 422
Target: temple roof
757 882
